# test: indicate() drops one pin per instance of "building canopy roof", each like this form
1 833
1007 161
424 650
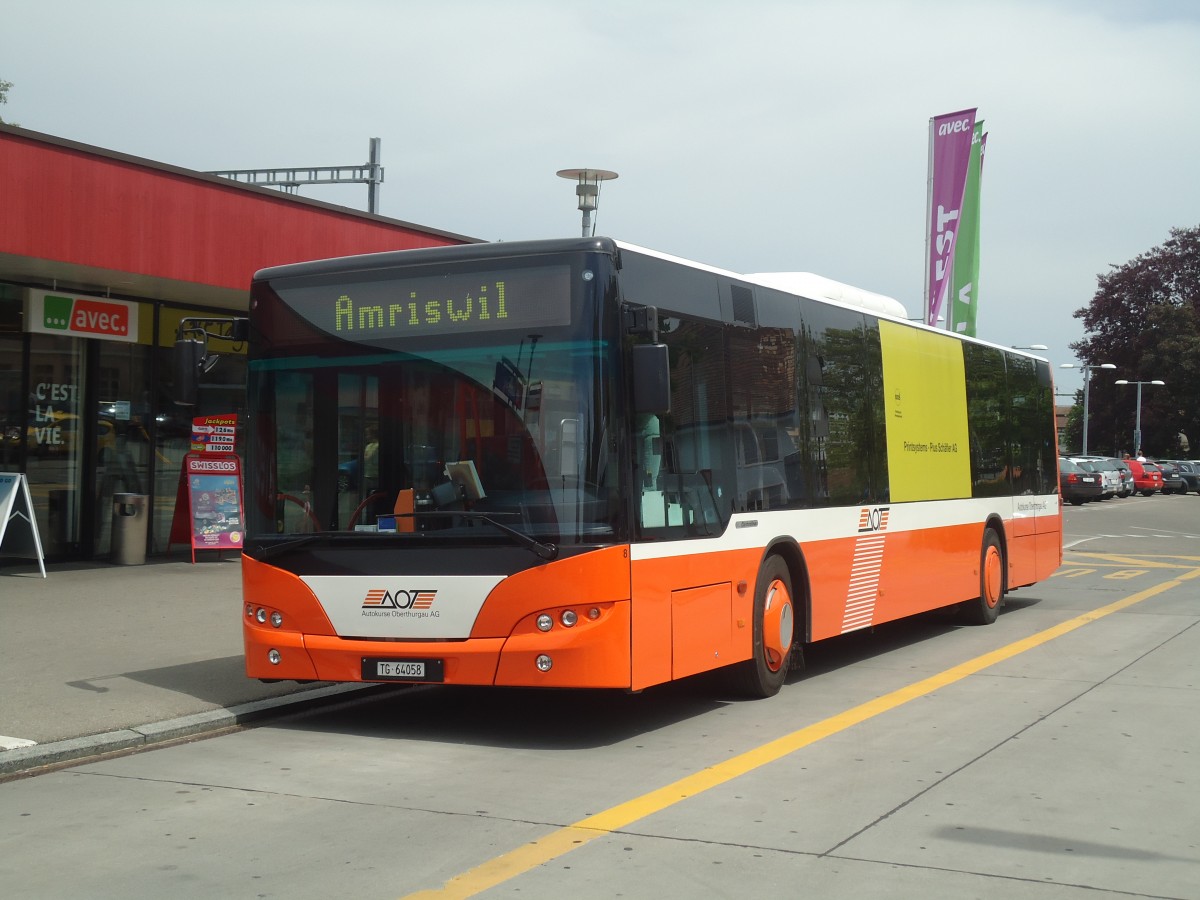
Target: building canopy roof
86 219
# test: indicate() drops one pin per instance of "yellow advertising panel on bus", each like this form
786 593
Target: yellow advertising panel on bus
926 412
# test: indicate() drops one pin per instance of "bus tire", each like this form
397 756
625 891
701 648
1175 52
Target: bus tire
984 608
774 623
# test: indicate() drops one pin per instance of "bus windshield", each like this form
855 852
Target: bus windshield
401 426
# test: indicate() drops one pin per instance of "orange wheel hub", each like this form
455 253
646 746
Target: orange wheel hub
777 625
993 576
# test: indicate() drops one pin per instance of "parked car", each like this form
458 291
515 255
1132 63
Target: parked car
1147 478
1193 466
1076 484
1189 472
1127 486
1173 481
1106 469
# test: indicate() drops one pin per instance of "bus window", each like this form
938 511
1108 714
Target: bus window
694 492
988 404
847 452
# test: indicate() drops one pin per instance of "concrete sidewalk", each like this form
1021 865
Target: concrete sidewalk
97 657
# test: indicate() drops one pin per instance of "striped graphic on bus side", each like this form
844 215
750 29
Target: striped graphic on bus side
864 573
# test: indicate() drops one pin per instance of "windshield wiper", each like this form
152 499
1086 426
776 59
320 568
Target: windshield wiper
546 551
266 551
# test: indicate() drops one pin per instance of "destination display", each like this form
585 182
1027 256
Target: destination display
380 310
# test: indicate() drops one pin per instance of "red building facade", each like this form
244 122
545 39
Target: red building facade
101 255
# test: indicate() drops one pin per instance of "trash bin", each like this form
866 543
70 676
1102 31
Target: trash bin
129 529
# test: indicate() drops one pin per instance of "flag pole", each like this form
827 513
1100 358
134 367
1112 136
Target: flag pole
928 220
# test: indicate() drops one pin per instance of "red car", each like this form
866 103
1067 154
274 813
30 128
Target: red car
1147 478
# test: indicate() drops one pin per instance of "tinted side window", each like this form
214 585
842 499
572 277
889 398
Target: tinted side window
687 472
1032 432
841 394
765 427
987 420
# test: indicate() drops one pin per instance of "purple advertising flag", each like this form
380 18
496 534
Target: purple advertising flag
949 154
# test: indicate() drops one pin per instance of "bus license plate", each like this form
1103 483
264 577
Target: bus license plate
402 670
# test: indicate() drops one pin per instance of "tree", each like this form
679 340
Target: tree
1145 319
4 86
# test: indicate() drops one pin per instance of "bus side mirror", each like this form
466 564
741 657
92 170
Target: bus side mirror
188 358
191 357
651 379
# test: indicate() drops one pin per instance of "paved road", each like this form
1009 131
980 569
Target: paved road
1051 755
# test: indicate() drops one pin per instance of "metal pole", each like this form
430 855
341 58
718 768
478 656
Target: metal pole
928 219
1087 383
1137 427
375 177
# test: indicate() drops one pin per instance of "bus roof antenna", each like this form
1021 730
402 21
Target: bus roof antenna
587 189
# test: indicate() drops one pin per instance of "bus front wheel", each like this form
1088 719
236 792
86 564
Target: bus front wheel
774 620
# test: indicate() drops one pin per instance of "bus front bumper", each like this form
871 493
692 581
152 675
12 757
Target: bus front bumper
591 654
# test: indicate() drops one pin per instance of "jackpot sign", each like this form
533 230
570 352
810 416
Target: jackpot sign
214 434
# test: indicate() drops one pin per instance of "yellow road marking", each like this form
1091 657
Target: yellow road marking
1145 562
1065 572
563 840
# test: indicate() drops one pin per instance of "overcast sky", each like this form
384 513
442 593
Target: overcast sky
751 135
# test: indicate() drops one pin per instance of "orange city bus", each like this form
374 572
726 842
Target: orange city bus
582 464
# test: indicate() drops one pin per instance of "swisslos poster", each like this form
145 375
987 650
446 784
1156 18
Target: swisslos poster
73 315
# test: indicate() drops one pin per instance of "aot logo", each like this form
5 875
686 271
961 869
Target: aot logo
872 518
378 598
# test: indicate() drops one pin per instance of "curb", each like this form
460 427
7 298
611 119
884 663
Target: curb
24 759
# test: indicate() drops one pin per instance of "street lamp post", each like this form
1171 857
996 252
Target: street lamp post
587 190
1137 426
1087 383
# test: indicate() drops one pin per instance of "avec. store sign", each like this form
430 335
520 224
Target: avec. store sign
54 312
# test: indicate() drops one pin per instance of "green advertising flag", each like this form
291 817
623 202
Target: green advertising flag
964 285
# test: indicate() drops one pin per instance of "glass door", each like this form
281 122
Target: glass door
55 444
123 447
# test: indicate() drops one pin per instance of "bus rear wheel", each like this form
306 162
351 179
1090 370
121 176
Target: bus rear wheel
984 609
774 622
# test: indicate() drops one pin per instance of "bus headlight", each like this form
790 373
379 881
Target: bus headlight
277 618
544 622
261 616
544 663
568 617
273 657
